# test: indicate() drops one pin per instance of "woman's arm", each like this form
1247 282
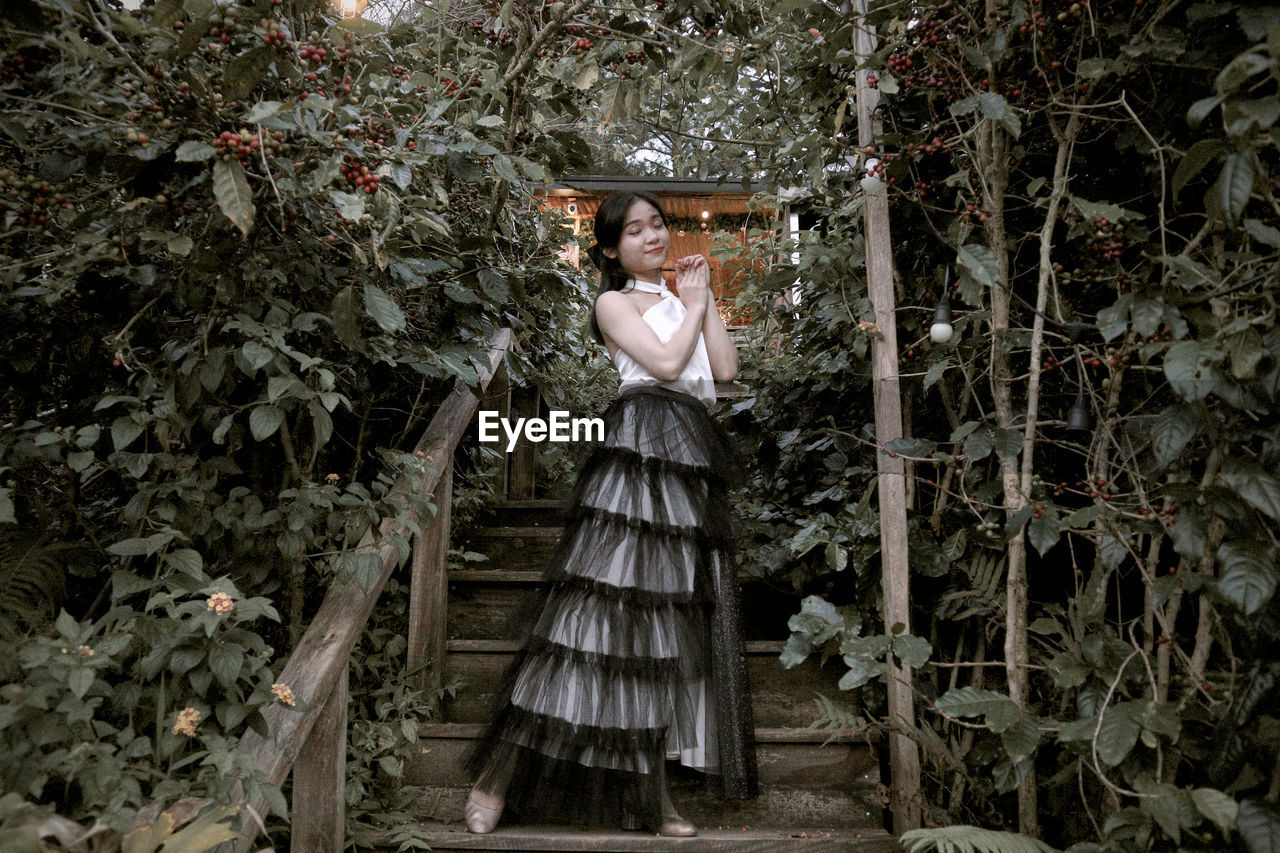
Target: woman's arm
622 322
721 351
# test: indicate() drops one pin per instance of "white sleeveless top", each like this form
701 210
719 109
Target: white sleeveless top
664 318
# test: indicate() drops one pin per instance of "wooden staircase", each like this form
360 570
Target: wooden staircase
819 790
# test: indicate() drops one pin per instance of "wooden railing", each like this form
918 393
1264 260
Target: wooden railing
312 741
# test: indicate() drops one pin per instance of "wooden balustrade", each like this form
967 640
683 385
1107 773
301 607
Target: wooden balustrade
312 741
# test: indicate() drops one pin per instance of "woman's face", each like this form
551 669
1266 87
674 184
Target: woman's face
645 242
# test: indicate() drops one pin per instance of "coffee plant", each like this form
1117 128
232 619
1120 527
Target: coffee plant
1089 187
247 248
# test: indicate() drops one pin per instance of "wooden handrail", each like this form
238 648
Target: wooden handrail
317 669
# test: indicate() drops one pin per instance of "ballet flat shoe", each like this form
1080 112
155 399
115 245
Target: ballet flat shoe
677 827
672 826
481 819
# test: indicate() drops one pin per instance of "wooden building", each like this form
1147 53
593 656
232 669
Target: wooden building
715 220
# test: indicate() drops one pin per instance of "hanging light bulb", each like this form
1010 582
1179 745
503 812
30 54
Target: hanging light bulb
871 184
942 330
1078 417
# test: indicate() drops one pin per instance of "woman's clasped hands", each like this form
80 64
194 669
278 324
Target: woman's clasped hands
693 281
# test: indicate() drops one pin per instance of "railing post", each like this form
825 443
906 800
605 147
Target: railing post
499 395
525 403
319 779
428 594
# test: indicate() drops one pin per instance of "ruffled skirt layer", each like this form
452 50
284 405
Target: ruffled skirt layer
632 647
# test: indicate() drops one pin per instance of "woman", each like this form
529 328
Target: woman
633 648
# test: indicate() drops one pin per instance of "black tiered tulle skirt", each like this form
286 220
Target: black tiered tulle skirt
632 646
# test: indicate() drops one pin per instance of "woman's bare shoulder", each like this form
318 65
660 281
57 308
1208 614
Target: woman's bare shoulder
615 301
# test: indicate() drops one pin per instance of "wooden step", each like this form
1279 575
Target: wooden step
804 780
513 548
448 837
780 697
530 513
482 601
792 757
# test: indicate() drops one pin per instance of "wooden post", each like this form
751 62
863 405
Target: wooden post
320 777
904 757
525 403
498 399
429 593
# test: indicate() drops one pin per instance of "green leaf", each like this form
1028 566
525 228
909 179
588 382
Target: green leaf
588 77
917 448
1117 736
181 244
346 325
1259 825
978 446
1254 484
935 371
1111 551
124 430
211 829
494 285
1007 442
996 108
911 650
1170 806
1188 534
818 620
1193 162
1246 352
244 72
1020 737
1230 193
861 670
1200 110
350 205
1241 116
225 660
256 355
186 561
79 680
1043 533
980 263
836 557
962 838
264 421
1190 368
1248 579
383 309
262 111
1095 67
232 192
79 460
402 175
1095 210
1217 807
1268 235
140 546
1147 315
796 651
192 151
1172 430
972 702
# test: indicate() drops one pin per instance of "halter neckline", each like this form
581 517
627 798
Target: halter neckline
649 286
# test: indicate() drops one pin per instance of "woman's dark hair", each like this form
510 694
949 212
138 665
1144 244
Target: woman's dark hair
610 219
